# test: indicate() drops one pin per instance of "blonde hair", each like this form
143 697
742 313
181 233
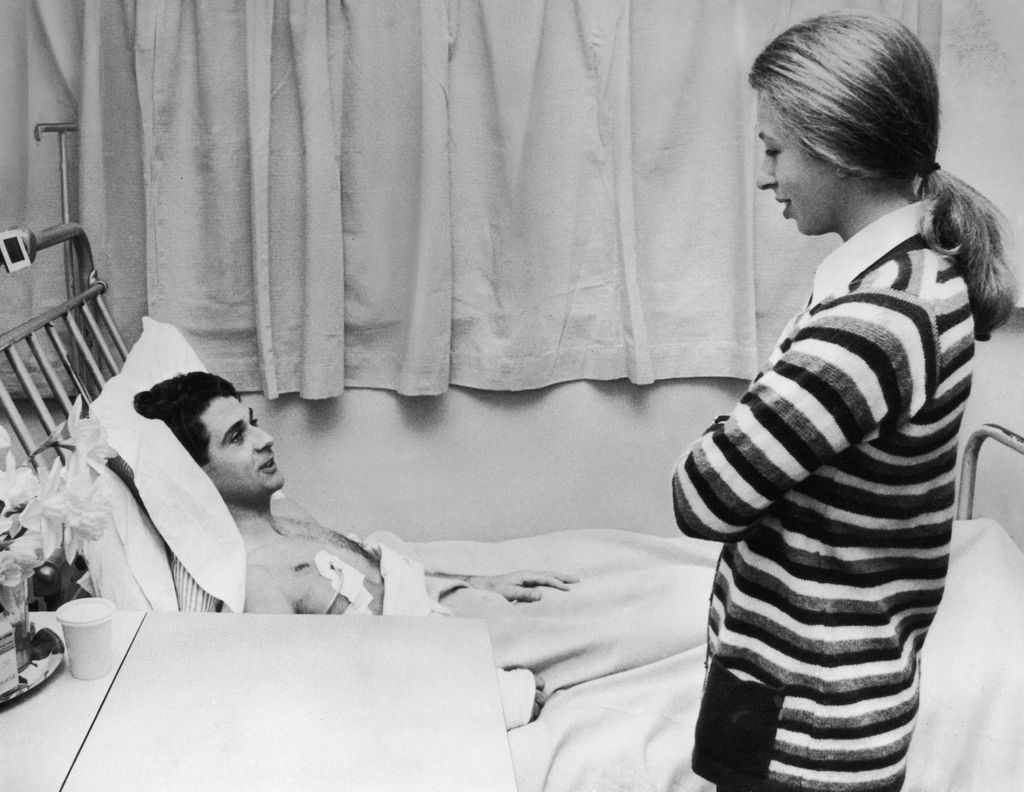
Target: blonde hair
859 91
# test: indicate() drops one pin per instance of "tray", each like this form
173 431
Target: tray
47 653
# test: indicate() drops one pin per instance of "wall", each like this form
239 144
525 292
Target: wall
490 465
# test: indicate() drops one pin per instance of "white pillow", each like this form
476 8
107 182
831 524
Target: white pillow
128 565
184 505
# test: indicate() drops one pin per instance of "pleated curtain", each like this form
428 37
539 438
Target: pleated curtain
413 194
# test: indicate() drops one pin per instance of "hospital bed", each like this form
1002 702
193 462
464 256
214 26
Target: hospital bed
621 654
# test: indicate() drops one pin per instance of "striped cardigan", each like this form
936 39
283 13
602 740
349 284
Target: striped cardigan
832 487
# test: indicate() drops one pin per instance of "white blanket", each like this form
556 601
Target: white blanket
622 657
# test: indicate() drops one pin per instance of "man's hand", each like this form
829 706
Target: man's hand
522 586
539 698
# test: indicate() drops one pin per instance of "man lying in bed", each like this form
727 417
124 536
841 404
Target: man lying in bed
294 564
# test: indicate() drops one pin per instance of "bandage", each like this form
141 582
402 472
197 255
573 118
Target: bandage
347 582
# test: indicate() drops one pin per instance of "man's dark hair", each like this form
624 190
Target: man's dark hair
180 402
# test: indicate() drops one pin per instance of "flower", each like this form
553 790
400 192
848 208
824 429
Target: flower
43 516
10 569
65 506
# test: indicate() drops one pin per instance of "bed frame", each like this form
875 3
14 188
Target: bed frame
969 465
67 351
74 346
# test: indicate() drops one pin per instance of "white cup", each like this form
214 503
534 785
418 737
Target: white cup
88 635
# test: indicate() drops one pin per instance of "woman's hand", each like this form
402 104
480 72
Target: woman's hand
522 586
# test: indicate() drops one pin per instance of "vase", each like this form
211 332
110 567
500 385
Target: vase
14 601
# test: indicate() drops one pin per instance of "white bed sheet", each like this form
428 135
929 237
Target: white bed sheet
970 735
623 653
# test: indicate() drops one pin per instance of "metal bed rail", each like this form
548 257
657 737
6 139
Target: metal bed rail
969 466
75 346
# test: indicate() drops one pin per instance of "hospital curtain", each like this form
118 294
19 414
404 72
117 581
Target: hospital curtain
72 63
297 189
498 195
401 195
408 194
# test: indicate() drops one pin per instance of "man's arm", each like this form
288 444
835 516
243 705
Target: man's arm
517 586
520 586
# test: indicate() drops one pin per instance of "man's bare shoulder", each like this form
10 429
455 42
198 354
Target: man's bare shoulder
292 520
282 506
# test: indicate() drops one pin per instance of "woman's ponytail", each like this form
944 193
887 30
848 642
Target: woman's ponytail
964 225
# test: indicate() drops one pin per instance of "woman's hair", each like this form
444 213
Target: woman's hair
180 403
859 91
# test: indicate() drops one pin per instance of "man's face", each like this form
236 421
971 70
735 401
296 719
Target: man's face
241 465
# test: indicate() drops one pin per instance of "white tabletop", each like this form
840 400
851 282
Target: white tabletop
42 730
250 702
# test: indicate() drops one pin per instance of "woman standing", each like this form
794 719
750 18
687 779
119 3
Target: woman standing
831 485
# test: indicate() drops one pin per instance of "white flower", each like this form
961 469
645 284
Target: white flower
28 551
87 436
18 485
44 515
87 513
11 570
42 510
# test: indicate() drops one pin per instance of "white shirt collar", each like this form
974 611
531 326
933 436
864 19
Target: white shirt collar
863 249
